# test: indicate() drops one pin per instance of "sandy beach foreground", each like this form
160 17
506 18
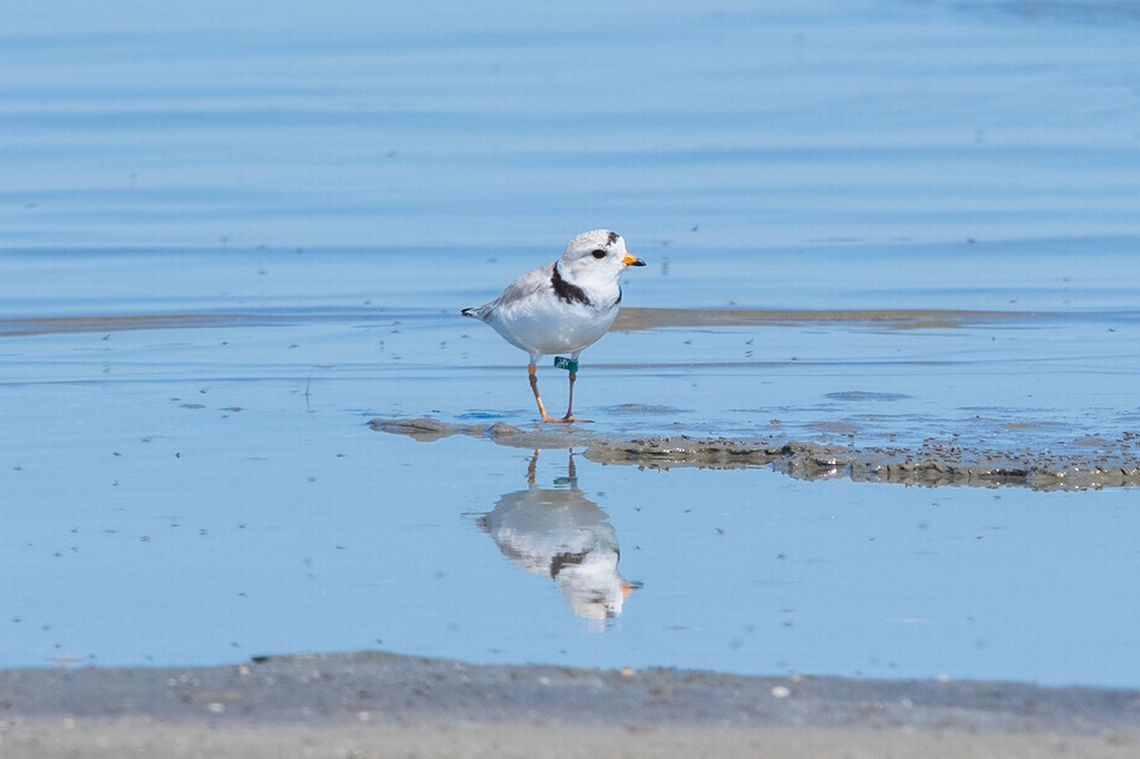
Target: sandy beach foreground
372 704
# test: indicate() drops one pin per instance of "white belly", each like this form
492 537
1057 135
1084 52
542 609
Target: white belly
545 327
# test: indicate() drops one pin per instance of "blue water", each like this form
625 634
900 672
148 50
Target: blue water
132 124
318 190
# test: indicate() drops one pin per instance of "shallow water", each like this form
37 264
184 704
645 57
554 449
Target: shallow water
226 251
206 489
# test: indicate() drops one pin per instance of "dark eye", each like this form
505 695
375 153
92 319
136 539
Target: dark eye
599 253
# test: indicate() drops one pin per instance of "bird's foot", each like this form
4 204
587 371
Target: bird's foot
568 419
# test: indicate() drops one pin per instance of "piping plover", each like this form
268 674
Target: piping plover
563 307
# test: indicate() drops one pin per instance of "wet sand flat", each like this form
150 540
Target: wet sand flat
1112 463
633 319
372 704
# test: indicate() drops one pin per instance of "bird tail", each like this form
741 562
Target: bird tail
476 312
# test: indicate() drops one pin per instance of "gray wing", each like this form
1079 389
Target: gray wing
526 285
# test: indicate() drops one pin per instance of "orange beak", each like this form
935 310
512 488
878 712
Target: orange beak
632 260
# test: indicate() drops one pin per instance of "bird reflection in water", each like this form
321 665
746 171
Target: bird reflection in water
561 534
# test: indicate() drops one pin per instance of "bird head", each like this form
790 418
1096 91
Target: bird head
597 255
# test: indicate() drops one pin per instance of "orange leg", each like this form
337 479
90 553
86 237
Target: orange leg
570 405
538 398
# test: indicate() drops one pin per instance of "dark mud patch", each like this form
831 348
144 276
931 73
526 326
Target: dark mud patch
1066 465
862 396
632 319
338 689
64 325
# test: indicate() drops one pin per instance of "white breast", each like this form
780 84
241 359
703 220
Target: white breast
546 325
